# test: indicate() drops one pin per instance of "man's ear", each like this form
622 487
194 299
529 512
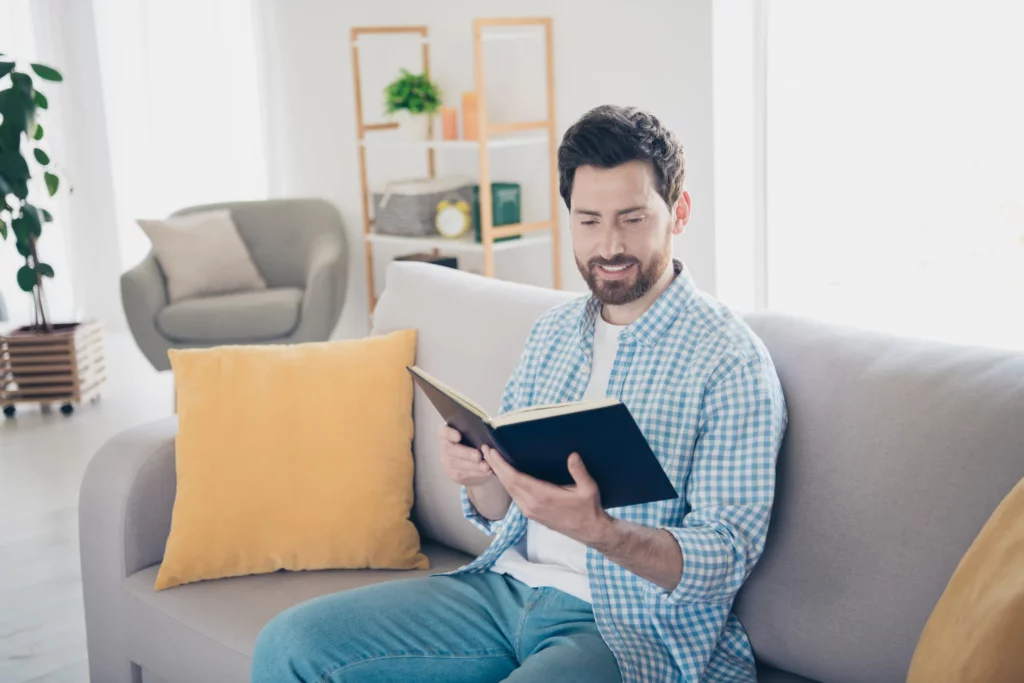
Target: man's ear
682 211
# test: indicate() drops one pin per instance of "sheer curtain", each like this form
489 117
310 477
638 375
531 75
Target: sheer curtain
895 182
180 85
160 109
22 33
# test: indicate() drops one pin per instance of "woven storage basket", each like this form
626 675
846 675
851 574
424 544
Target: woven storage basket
409 207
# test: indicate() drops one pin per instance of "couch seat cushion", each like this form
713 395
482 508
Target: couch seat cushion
217 622
247 316
767 674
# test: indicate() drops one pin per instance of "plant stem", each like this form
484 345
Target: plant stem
41 322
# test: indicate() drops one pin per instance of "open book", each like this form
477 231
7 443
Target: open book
538 440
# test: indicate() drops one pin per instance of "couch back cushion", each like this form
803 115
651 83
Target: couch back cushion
896 454
471 333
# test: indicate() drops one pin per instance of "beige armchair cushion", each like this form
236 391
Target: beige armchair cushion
202 254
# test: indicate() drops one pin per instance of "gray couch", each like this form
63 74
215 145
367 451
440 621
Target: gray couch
897 452
299 247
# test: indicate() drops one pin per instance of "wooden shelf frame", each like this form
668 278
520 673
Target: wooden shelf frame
488 132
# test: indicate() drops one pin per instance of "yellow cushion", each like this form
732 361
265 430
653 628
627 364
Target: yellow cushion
293 457
976 632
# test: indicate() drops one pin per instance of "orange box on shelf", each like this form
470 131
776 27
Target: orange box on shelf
449 123
470 126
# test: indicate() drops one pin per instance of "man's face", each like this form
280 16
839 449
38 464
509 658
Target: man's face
622 230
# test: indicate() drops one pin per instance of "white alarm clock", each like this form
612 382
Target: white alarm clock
452 219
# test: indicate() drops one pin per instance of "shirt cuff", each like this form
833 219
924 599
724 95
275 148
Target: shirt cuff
707 564
470 512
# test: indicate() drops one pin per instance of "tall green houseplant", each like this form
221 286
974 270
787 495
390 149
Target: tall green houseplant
20 135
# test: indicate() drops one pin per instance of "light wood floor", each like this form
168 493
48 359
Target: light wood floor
42 459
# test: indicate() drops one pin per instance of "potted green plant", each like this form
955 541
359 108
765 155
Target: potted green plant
42 362
20 135
411 99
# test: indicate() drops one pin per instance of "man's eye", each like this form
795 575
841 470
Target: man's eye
589 223
634 221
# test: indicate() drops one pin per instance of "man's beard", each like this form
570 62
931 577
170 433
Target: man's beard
620 292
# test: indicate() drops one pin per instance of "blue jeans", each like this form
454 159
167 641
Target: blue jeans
471 627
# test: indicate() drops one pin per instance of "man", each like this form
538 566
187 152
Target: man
569 591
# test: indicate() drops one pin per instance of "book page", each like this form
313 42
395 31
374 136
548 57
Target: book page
454 395
545 411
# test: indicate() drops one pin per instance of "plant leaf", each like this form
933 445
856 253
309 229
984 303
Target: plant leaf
26 278
47 73
30 219
3 229
40 100
41 156
6 68
20 228
45 269
52 183
39 132
22 81
13 167
23 249
47 216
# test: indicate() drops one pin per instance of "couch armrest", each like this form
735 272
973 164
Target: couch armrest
324 295
143 295
124 518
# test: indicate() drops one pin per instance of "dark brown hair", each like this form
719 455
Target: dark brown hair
609 136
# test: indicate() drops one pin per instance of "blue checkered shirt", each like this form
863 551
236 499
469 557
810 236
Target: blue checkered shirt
703 390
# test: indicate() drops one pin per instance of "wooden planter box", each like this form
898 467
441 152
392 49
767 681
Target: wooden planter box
65 366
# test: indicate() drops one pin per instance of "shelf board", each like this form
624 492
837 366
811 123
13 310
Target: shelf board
493 143
462 245
526 31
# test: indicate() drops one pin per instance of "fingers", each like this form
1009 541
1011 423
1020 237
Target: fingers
578 471
462 464
475 469
460 452
467 473
451 446
509 476
446 433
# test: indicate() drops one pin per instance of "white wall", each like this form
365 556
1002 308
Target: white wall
654 54
738 140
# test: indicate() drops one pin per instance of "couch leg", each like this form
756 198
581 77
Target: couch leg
136 673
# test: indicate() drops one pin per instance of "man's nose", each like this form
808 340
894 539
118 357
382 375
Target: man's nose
611 244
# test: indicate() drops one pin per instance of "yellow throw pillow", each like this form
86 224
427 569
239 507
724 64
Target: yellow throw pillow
976 631
293 457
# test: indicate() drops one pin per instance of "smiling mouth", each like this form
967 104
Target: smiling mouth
615 269
614 272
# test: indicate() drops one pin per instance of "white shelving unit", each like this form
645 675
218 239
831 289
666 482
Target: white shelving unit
463 245
474 145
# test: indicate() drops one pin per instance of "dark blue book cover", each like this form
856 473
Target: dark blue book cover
538 441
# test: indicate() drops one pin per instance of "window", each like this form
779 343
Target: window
895 166
184 118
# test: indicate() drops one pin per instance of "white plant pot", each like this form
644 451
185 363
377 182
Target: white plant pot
413 126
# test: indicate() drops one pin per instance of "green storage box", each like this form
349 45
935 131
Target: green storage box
506 207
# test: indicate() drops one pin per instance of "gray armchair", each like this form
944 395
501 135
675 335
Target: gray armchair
300 249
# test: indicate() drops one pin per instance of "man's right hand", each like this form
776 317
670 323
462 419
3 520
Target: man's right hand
462 464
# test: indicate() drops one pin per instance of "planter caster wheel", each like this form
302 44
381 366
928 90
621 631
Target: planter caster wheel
9 411
67 409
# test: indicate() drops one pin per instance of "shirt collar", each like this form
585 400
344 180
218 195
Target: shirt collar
656 320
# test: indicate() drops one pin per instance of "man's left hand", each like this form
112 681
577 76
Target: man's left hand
571 510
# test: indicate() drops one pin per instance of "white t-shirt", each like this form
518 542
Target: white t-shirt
546 557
